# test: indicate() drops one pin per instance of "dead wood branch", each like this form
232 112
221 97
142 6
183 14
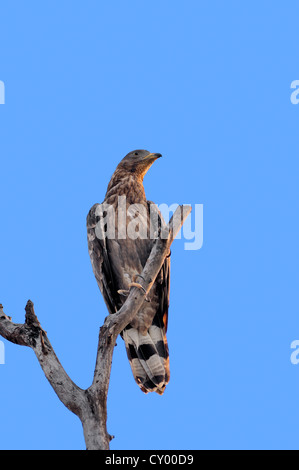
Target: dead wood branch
91 405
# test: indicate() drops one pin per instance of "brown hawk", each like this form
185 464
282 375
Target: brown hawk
118 253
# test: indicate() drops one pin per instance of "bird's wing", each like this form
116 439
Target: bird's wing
99 257
163 279
163 290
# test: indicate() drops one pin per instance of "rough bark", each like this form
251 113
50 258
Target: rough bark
91 405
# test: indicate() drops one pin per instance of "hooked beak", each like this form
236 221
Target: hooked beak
152 156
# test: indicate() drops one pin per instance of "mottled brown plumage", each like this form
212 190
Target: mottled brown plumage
117 260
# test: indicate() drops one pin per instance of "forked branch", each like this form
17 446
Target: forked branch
91 405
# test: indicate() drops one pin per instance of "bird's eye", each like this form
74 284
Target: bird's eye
136 153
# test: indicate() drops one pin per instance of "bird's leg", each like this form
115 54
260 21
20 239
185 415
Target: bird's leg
139 286
125 292
136 284
135 277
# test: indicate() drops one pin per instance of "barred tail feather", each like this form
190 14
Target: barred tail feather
148 357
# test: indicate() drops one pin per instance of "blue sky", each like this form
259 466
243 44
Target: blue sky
207 84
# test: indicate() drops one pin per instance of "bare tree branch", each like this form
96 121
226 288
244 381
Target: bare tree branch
31 334
91 405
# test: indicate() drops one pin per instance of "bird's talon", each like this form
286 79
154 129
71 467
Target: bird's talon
135 277
139 286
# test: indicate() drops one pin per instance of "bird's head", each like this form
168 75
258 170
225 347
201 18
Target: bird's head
138 162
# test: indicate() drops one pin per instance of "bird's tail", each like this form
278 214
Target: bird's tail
149 358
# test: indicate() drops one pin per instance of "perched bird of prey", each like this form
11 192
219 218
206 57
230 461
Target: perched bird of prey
118 259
